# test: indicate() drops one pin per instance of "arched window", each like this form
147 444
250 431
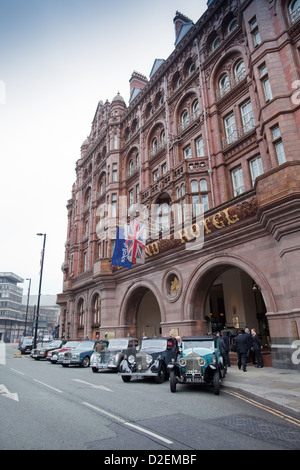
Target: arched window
196 109
203 185
224 85
154 145
96 310
185 119
163 136
131 166
215 43
194 186
294 9
239 71
232 25
81 314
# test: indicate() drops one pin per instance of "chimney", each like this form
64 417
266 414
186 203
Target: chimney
137 80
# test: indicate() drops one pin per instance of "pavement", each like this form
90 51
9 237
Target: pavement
278 386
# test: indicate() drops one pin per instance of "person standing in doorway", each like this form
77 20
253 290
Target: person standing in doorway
241 344
256 347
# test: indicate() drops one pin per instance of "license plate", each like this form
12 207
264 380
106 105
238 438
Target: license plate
103 366
66 362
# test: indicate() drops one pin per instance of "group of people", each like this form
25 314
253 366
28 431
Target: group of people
247 344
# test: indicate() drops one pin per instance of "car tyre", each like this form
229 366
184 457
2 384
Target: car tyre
216 383
159 379
126 378
172 381
86 361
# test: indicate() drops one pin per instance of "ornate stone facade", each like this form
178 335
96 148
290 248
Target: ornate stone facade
216 124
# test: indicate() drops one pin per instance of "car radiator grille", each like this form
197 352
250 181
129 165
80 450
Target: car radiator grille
68 355
141 363
104 356
192 364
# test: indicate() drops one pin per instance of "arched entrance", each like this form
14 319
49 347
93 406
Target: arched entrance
234 301
141 312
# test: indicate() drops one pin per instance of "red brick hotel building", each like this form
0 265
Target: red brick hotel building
216 123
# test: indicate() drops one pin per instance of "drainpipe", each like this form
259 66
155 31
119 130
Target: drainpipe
168 122
210 170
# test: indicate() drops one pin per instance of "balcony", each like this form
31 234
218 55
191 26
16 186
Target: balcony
294 16
188 121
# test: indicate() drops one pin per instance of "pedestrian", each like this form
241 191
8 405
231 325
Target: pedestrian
100 346
248 334
222 347
226 346
256 347
241 342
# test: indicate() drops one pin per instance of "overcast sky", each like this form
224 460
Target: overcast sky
58 59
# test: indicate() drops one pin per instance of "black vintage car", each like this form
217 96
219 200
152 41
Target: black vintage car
111 357
151 360
41 353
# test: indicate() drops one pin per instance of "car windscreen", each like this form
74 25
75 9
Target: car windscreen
85 345
27 341
71 344
159 344
118 344
55 344
207 344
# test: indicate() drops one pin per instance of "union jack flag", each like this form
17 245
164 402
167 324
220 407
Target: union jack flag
136 236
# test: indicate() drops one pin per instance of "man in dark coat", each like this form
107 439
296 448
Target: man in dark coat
256 347
241 345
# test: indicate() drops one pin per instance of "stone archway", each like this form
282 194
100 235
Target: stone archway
203 278
141 311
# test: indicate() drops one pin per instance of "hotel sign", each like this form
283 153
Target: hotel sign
213 224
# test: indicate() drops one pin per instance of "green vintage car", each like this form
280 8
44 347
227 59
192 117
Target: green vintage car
199 362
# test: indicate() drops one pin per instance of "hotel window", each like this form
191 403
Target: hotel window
238 181
97 310
185 119
204 197
81 314
188 152
294 10
114 205
224 85
232 25
200 147
137 193
239 71
155 175
115 172
256 168
255 32
196 109
154 145
115 141
230 128
131 197
163 137
216 43
247 116
265 82
164 169
278 144
85 261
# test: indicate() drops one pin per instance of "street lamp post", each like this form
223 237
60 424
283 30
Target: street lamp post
28 295
39 294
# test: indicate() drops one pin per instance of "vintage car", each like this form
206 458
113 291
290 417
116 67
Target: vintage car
111 357
26 344
52 355
80 356
151 360
199 362
41 353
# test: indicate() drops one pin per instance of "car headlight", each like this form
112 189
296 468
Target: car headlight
131 359
75 356
201 361
214 359
182 362
148 359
